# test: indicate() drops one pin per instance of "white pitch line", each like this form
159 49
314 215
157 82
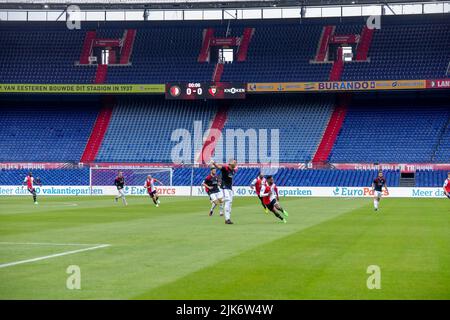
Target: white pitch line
51 244
10 264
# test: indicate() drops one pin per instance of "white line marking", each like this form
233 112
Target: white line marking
51 244
52 256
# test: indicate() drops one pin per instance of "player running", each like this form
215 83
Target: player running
29 182
228 171
447 186
257 184
377 188
119 182
269 194
211 185
151 189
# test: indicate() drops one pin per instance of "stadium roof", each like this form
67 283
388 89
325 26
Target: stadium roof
190 4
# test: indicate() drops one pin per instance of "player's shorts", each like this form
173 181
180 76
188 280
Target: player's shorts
151 193
216 196
227 194
271 204
31 190
377 194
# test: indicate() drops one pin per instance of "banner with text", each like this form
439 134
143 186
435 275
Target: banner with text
83 88
339 86
341 192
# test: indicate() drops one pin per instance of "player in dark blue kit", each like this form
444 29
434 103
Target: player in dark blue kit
211 185
377 187
228 171
119 182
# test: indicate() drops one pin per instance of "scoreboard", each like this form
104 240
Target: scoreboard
205 90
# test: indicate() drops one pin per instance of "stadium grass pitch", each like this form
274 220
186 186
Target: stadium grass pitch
177 252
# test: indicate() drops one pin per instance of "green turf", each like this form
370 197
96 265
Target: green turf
177 252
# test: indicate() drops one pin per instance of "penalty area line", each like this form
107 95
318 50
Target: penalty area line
51 244
10 264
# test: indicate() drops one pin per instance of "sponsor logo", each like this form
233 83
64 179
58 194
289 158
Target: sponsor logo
234 90
175 91
347 85
439 83
309 86
355 192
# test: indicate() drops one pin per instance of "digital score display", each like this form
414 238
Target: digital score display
205 90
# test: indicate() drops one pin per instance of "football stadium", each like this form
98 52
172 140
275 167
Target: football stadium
224 150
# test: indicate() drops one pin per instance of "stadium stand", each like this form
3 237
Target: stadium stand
141 127
430 178
393 131
40 55
45 131
301 122
277 51
134 133
443 149
400 52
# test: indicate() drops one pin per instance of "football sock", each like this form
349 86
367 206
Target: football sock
227 210
277 215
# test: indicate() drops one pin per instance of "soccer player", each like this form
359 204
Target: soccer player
119 182
269 194
228 171
377 188
257 184
29 182
447 186
151 189
211 185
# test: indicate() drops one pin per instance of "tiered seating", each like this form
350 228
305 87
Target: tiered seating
45 131
430 178
280 53
164 54
56 177
42 56
400 52
386 131
140 129
301 122
280 50
443 150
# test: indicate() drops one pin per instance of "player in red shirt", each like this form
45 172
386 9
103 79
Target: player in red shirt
257 184
29 182
447 186
269 194
151 189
